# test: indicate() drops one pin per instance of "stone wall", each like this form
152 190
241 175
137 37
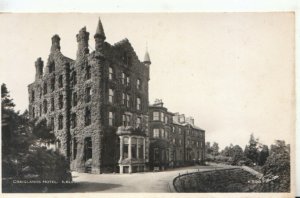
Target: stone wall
226 180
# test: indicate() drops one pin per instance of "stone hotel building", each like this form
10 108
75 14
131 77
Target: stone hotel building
97 106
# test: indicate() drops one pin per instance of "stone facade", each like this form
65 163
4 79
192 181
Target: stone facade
87 99
98 108
174 139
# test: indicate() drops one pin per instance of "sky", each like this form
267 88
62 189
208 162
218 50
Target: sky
233 72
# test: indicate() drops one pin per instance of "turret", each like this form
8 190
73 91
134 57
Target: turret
39 66
55 43
99 37
147 60
83 42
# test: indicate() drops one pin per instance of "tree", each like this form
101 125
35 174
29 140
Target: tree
251 150
208 148
6 101
215 149
237 154
22 158
278 164
263 155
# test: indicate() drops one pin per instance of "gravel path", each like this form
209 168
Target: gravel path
136 182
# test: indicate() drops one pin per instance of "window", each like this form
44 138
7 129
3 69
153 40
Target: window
110 73
179 131
155 133
138 84
88 94
45 104
140 148
32 96
128 101
197 144
51 67
138 122
166 119
180 142
73 120
156 154
88 148
41 92
174 141
87 116
173 129
110 118
52 84
162 133
155 115
74 78
74 99
161 116
60 101
75 143
127 81
126 119
123 78
33 112
60 122
57 144
125 147
166 134
110 96
123 98
133 148
138 103
41 109
45 88
60 81
52 124
88 72
52 104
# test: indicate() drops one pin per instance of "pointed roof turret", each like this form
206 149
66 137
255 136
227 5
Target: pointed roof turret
147 58
100 30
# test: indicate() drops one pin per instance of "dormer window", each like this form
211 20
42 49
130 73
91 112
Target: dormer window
126 59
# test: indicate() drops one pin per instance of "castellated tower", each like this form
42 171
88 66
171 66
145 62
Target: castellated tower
96 105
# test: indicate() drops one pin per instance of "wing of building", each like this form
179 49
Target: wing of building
98 107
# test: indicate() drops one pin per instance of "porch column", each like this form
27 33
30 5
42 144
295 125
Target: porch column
137 148
144 148
121 148
129 147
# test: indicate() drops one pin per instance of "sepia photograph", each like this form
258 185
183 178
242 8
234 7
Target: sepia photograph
148 103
